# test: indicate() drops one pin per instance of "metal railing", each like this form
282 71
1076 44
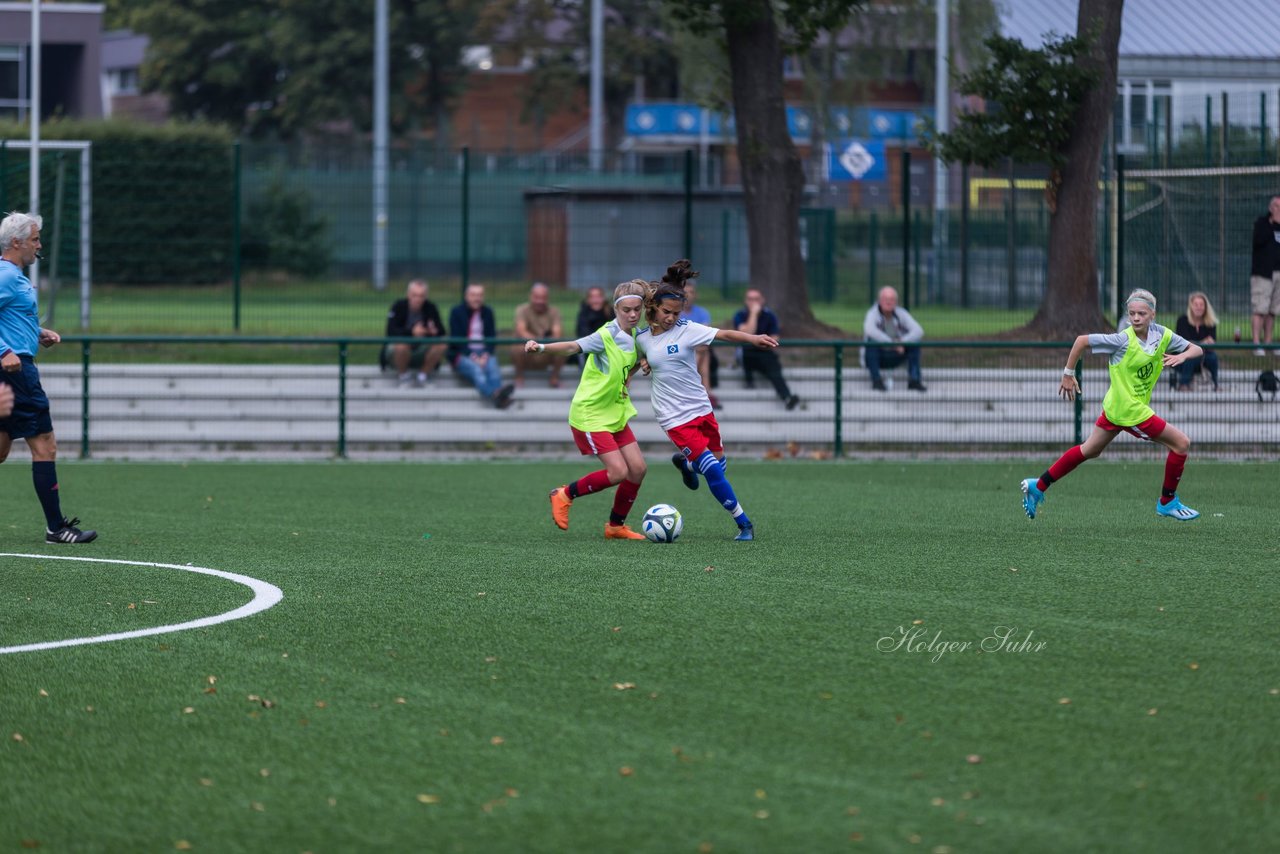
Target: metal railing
990 388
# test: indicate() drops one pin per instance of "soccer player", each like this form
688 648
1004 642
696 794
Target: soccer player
20 334
1137 355
669 345
600 411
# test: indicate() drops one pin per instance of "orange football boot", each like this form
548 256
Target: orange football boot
560 502
620 532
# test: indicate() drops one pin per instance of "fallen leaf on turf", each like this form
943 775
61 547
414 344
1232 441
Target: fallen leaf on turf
1193 666
708 569
44 693
705 848
150 602
268 704
211 690
89 709
616 629
942 849
480 595
17 736
761 794
320 704
762 814
1013 569
1152 712
333 802
914 839
132 607
626 771
188 710
428 799
916 622
968 796
212 680
265 772
511 793
401 701
256 806
253 698
497 740
490 659
973 758
205 781
182 845
855 837
1064 701
624 686
937 802
851 811
30 843
1274 692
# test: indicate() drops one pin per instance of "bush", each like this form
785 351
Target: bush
162 198
282 232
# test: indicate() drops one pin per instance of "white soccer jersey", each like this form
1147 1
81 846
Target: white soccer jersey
593 343
678 395
1115 343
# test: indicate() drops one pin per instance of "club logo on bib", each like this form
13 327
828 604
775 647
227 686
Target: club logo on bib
1145 370
672 349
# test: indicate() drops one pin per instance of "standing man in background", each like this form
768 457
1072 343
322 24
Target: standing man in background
1264 275
20 334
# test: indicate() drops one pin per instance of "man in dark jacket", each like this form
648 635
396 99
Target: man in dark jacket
416 317
1264 275
476 359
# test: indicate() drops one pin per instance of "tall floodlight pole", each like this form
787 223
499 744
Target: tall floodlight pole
33 114
942 101
596 122
380 134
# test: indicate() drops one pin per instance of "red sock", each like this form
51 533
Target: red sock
1173 466
622 501
597 481
1063 467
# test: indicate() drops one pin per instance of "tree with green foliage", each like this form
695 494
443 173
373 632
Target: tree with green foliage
283 67
756 35
1051 106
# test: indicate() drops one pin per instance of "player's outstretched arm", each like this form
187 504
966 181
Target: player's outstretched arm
1070 386
1194 351
557 348
764 342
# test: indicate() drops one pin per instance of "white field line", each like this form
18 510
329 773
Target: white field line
264 596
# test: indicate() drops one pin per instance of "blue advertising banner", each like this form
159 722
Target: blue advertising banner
856 160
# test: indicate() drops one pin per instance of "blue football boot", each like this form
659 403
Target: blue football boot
1031 496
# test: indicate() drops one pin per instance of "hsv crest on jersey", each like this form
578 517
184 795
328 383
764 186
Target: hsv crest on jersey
673 349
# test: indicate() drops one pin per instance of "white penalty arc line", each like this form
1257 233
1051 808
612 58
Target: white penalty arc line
264 596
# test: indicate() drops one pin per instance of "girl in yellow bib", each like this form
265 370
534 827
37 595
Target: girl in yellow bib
601 409
1137 355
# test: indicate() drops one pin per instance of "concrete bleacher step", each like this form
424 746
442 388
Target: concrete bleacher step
290 408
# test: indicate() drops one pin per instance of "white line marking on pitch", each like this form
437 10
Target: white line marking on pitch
264 596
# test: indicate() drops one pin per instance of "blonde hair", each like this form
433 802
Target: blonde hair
633 288
1141 295
1210 316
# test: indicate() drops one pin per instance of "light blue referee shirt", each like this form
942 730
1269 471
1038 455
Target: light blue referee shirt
19 316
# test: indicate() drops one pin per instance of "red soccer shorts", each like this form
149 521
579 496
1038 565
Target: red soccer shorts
694 437
596 443
1146 431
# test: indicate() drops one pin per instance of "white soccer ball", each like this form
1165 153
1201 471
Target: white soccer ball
662 523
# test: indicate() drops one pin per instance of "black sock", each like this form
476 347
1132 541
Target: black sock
44 475
572 489
615 519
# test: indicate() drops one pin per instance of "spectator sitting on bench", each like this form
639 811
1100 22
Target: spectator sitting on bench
414 316
888 323
754 318
539 320
1199 325
476 361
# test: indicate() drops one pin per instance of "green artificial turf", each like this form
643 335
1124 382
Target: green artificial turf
501 685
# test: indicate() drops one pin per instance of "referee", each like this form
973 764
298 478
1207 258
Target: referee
20 333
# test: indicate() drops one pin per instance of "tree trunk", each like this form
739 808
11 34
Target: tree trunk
1070 306
772 179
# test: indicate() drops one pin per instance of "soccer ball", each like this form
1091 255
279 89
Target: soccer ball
662 523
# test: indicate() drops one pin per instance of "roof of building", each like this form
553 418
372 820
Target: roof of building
1223 29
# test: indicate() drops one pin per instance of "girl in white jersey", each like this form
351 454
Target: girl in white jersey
600 411
680 401
1138 354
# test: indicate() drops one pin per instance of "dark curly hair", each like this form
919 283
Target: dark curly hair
670 288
